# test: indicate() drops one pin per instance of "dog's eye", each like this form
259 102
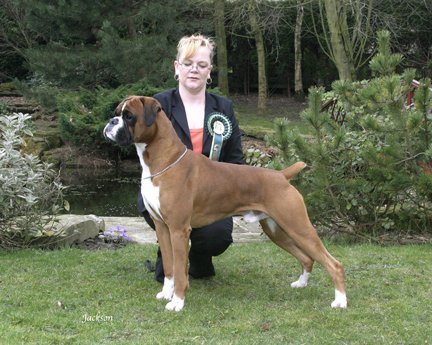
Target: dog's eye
128 116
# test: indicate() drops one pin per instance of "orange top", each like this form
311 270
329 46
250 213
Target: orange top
197 139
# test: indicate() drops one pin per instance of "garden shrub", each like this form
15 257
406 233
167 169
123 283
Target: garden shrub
37 88
84 113
372 173
4 108
30 191
256 157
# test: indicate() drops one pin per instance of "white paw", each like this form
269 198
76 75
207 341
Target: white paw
302 281
176 304
167 290
340 300
298 284
165 295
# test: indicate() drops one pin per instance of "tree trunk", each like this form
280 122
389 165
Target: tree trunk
222 59
339 38
130 22
259 42
298 79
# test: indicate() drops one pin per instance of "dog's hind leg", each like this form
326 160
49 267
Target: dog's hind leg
280 238
315 248
293 219
306 238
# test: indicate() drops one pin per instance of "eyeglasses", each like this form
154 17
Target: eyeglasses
200 66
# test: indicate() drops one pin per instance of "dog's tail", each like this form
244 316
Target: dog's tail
293 170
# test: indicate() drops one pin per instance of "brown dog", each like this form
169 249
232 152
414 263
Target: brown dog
179 198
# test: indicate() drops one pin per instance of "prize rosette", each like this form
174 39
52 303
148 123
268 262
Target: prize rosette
220 127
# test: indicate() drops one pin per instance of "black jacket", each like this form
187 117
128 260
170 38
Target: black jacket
173 106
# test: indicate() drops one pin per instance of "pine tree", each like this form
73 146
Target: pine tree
367 174
108 43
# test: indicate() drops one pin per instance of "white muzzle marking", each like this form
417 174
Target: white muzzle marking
111 131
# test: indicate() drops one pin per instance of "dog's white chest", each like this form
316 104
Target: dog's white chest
149 192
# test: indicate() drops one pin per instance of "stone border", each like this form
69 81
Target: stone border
138 230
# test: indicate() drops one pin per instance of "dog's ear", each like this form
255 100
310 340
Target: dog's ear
151 109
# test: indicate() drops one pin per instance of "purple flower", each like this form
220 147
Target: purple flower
118 231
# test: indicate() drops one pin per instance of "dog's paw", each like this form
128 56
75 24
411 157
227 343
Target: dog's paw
167 290
340 300
164 295
298 284
176 304
302 281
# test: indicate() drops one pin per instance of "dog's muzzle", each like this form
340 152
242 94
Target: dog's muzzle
116 131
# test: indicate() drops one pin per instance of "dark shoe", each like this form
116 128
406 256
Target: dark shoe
156 267
151 267
159 271
201 266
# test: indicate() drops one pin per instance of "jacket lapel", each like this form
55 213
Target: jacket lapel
210 107
179 116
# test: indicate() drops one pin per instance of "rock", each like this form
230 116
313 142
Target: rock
10 94
71 229
42 141
72 157
24 108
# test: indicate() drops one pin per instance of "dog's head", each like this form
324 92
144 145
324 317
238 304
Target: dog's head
133 120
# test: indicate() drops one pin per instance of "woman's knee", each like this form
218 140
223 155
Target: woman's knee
212 239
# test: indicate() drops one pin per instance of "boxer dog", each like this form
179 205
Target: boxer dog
183 190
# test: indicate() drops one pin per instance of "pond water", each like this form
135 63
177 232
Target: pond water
103 193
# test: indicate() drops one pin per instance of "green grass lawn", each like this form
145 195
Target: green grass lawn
74 296
260 123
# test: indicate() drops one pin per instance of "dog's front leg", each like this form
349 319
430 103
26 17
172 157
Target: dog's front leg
180 246
164 240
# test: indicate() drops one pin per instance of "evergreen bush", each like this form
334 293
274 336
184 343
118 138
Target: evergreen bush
83 114
370 174
30 191
37 88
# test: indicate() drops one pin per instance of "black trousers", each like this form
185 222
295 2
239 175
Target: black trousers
206 242
210 240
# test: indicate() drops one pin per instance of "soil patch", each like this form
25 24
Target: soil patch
98 243
255 143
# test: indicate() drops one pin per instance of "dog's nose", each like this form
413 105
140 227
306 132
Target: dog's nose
114 121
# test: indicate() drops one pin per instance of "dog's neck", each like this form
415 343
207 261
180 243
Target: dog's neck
149 152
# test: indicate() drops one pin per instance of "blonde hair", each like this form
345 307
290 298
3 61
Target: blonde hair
188 45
